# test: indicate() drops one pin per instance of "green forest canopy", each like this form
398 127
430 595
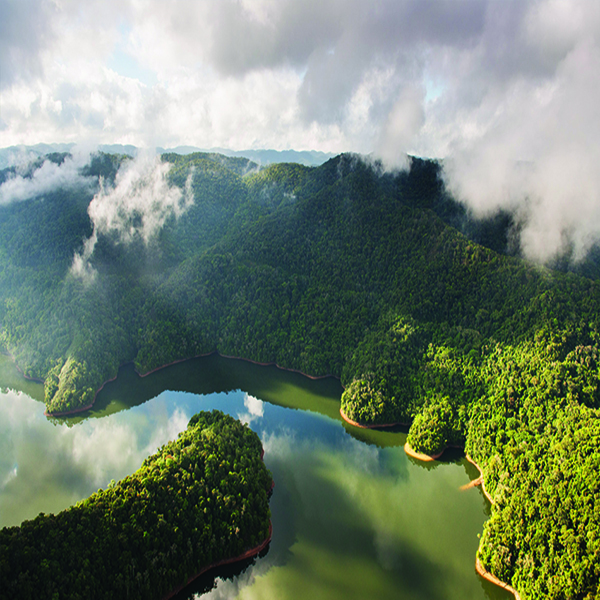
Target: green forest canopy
347 270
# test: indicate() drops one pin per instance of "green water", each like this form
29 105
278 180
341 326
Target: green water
353 516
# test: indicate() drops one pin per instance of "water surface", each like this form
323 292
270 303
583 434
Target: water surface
353 516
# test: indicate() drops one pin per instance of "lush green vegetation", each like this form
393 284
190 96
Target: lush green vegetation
343 270
200 499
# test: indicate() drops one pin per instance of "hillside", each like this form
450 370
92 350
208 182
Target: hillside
339 269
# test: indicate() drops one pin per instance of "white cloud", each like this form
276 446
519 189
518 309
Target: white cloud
138 206
262 74
112 445
486 83
538 154
25 31
254 409
140 202
168 427
45 179
401 127
48 466
81 266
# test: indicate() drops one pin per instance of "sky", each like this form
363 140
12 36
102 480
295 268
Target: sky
505 92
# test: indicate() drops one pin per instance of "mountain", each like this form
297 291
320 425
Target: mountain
339 269
311 158
14 155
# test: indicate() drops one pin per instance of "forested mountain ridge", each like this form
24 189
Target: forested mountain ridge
347 270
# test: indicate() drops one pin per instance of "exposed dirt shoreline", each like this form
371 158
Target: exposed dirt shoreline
254 551
361 426
36 379
493 579
81 409
420 455
249 360
476 482
480 479
74 411
251 553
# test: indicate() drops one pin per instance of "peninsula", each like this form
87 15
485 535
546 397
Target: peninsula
199 502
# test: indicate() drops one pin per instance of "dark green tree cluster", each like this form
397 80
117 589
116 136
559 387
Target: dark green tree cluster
200 499
436 427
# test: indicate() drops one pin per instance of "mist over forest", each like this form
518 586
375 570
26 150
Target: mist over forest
427 314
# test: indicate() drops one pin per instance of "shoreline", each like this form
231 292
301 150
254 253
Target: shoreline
274 364
420 455
493 579
250 553
75 411
481 479
362 426
14 360
254 551
175 362
248 360
81 409
478 482
247 554
475 483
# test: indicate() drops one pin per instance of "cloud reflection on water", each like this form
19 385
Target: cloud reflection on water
353 517
254 409
351 520
45 470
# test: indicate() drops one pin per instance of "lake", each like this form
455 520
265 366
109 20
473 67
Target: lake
353 516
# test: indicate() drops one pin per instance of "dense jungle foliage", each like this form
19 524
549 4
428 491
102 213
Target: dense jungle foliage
378 278
200 499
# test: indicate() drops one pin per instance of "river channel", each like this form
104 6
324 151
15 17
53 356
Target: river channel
352 515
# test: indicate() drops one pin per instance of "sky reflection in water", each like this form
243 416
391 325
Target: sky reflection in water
350 519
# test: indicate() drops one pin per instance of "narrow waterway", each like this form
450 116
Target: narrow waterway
353 516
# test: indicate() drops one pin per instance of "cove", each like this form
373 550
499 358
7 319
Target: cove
352 515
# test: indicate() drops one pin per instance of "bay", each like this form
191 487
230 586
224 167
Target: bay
353 516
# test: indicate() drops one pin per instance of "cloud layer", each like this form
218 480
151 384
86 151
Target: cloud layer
507 91
46 178
137 206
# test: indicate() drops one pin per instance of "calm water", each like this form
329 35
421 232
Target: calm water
353 516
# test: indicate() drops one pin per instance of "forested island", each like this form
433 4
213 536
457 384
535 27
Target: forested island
200 501
378 278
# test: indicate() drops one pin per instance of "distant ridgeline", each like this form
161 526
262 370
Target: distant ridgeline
199 500
340 269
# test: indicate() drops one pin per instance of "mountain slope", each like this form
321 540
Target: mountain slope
345 270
